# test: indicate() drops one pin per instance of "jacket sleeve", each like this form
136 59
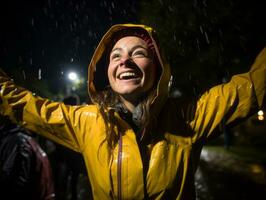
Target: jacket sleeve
238 99
59 122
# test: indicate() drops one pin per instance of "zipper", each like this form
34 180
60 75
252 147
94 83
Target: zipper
119 168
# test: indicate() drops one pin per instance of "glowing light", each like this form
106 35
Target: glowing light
256 168
260 117
72 76
260 113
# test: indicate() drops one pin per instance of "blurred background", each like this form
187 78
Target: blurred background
46 46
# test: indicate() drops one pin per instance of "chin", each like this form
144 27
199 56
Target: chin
130 94
128 90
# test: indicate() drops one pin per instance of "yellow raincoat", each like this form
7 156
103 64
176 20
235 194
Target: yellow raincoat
173 157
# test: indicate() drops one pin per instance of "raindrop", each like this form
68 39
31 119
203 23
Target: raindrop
198 46
204 3
30 61
24 74
113 5
206 37
110 10
201 29
20 59
220 33
71 60
170 9
89 33
40 74
189 77
32 21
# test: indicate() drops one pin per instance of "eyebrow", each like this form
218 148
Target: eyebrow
135 47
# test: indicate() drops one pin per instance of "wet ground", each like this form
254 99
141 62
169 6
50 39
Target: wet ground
224 174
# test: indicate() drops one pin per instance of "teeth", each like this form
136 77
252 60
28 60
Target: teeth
127 75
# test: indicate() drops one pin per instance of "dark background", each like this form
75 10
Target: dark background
204 41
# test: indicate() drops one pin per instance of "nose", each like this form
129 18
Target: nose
125 61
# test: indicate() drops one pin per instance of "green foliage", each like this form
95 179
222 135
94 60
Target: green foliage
205 40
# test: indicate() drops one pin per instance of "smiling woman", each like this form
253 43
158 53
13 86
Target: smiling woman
131 70
137 142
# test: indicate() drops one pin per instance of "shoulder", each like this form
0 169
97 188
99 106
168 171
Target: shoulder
87 111
15 145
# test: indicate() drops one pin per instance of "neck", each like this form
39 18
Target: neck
129 104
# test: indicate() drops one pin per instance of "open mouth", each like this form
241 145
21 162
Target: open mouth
128 75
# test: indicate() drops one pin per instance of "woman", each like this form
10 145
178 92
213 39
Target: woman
136 142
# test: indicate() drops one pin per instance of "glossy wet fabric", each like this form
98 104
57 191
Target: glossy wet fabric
25 171
171 156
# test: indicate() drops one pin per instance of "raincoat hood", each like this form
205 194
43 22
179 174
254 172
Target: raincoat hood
97 70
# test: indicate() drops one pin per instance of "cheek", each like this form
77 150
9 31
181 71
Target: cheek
110 72
149 69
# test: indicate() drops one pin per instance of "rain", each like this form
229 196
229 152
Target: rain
205 43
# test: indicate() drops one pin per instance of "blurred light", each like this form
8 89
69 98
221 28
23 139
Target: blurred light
260 112
205 155
72 76
260 115
255 168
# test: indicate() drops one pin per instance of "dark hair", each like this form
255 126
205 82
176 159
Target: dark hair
107 100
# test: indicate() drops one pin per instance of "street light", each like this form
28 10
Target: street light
72 76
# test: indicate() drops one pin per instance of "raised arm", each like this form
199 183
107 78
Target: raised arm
239 98
61 123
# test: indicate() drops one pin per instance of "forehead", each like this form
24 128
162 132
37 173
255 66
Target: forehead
129 41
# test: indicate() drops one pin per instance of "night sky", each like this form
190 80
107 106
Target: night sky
56 36
44 39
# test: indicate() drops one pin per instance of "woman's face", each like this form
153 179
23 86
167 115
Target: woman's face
131 70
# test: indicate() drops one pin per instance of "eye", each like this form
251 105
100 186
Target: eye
140 53
115 56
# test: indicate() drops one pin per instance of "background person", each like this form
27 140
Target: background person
25 171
